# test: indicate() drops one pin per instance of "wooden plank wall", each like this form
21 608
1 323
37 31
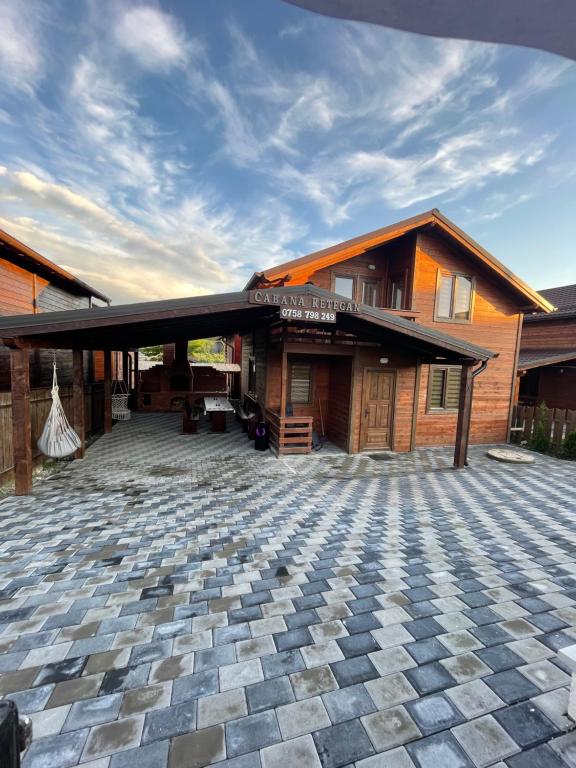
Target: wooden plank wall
549 334
559 423
337 408
495 326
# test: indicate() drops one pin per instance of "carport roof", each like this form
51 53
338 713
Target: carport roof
137 325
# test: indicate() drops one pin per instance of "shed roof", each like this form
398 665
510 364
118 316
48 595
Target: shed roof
157 322
32 259
434 218
536 358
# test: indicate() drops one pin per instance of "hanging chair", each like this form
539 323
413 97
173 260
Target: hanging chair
120 410
58 439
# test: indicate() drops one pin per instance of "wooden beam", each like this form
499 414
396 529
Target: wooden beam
464 415
125 368
78 412
21 424
107 391
136 379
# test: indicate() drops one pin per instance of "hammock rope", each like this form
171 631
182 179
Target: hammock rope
58 439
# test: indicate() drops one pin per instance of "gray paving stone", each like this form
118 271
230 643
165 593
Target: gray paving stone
300 751
342 744
354 670
93 711
269 694
59 750
109 738
348 703
196 750
302 717
150 756
195 686
474 699
434 713
565 747
484 741
251 733
390 728
526 724
441 749
171 721
538 757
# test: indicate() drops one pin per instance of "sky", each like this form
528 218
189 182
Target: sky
173 148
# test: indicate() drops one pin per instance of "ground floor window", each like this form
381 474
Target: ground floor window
300 383
444 387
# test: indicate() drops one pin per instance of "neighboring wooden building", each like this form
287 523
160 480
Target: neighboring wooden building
547 362
30 283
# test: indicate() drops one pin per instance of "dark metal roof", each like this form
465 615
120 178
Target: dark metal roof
136 325
563 297
535 358
30 258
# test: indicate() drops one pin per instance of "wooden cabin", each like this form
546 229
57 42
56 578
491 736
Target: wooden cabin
547 362
31 284
430 273
404 337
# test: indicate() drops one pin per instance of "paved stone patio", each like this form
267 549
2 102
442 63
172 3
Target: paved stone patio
186 601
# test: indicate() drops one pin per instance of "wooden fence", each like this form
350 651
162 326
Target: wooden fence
290 434
557 423
40 402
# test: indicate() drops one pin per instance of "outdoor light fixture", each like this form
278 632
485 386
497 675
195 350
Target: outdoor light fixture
371 266
383 360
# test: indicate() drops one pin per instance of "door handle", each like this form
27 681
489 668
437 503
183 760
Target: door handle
365 412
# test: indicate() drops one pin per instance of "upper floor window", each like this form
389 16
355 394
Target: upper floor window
454 298
369 292
396 300
300 383
444 387
344 286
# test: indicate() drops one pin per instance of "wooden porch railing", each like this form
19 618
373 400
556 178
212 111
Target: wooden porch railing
290 434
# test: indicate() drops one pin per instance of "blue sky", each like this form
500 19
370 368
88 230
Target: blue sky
171 149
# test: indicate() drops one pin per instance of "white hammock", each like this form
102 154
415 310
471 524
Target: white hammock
58 439
120 411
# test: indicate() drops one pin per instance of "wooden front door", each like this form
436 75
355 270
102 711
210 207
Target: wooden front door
377 410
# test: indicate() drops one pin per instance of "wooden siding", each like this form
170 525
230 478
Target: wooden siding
495 325
22 292
337 412
549 335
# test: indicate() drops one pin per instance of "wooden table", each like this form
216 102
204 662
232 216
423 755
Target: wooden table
217 408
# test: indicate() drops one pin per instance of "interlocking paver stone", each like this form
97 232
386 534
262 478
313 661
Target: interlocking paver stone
342 744
300 751
169 570
390 728
63 750
171 721
434 713
252 732
526 724
484 741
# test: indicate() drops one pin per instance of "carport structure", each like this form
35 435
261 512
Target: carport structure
359 333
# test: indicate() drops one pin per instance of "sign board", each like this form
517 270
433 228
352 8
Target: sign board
303 307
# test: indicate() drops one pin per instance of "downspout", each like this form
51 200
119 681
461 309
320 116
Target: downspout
481 368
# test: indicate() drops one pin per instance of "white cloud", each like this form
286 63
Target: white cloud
21 60
194 247
153 38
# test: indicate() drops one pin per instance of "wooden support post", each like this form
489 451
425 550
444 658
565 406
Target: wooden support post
136 379
78 407
283 382
126 368
21 424
107 390
464 414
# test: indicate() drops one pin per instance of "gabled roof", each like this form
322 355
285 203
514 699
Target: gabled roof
156 322
31 259
357 245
